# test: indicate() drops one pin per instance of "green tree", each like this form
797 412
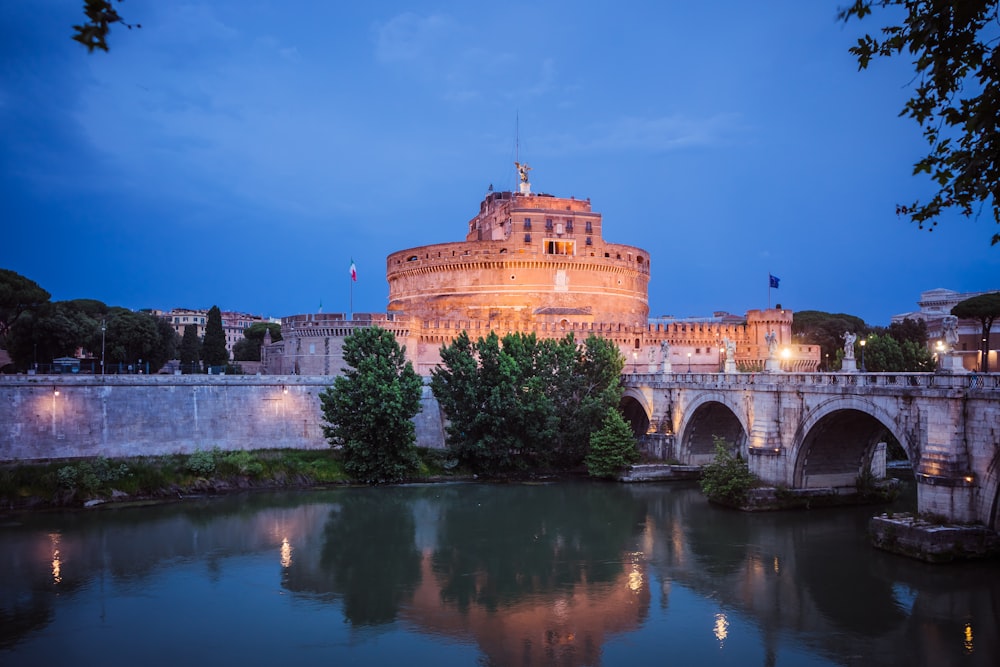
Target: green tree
956 100
520 401
101 15
56 329
248 349
727 479
190 350
17 296
132 337
985 308
369 410
612 447
213 347
815 327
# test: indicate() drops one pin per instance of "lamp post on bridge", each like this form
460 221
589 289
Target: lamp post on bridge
863 341
104 327
689 363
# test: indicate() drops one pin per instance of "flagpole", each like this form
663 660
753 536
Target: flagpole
769 290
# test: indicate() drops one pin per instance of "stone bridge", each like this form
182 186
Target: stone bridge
817 430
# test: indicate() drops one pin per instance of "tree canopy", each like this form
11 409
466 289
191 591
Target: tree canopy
17 295
956 100
248 349
369 410
520 402
815 327
986 309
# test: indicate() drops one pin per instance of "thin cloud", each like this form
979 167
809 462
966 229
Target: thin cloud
650 135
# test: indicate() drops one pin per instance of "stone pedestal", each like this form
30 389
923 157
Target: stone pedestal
950 363
849 366
730 366
525 188
772 366
666 367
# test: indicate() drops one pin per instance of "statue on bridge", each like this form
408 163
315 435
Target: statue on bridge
849 339
730 363
665 356
771 339
949 331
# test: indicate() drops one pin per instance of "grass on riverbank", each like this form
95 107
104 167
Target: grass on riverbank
75 483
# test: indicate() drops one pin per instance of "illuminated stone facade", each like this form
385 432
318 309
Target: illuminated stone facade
535 264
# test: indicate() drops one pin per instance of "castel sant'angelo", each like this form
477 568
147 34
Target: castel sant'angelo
536 263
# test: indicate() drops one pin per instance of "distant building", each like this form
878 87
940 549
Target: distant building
936 304
534 264
233 323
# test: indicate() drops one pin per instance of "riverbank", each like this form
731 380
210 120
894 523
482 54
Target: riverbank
92 482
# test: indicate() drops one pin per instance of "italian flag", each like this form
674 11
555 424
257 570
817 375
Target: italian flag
354 271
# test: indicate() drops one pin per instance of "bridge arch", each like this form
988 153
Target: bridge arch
637 409
707 416
836 437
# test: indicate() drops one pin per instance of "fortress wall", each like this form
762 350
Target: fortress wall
155 415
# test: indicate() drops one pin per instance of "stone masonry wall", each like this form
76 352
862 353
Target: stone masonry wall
153 415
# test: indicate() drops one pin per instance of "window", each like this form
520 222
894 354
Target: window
569 225
559 247
589 227
548 224
527 224
527 238
589 241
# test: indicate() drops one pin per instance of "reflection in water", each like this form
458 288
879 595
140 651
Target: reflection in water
568 574
56 561
721 628
286 553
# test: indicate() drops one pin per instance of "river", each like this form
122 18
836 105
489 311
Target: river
566 573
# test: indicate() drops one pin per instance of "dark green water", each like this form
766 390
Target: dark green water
561 574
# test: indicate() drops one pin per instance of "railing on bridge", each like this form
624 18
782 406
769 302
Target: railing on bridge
990 381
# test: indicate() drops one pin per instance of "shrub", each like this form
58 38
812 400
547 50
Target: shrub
202 462
612 447
243 463
727 479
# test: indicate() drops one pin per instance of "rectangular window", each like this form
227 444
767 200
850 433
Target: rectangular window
548 224
589 227
527 238
527 224
559 247
569 225
589 241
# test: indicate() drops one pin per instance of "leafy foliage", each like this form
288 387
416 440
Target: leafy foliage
815 327
612 448
101 14
213 347
520 401
248 349
956 100
885 354
369 409
727 479
17 295
986 309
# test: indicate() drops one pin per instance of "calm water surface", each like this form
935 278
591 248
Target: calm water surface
463 574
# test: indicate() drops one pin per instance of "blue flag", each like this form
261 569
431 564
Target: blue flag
773 281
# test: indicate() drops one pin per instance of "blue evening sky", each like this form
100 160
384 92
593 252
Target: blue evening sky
242 152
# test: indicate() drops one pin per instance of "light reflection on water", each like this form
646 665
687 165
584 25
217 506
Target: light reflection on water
568 574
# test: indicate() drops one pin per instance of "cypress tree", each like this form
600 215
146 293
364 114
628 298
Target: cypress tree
213 348
190 347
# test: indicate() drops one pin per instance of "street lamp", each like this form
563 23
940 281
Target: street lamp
635 363
104 327
827 362
785 355
863 341
689 362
